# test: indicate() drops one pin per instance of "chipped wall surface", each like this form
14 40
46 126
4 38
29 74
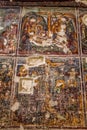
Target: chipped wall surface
43 68
82 1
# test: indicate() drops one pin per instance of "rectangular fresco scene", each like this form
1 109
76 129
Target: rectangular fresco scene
84 67
9 24
29 79
83 30
48 92
48 31
6 86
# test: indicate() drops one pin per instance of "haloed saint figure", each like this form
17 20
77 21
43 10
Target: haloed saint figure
48 32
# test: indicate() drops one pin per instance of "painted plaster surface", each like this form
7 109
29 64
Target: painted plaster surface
43 67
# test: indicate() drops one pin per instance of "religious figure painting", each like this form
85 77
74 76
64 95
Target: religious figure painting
83 30
6 90
48 31
49 92
62 102
9 29
29 78
84 68
43 67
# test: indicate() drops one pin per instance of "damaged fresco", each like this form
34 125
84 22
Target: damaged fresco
6 87
49 92
48 31
43 67
9 24
83 28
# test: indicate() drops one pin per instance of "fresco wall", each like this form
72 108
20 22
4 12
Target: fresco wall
43 67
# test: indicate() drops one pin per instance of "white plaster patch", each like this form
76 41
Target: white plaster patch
21 127
15 106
